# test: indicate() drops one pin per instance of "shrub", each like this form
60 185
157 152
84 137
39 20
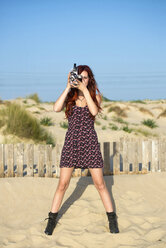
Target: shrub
127 129
98 123
119 120
103 128
46 121
149 123
64 125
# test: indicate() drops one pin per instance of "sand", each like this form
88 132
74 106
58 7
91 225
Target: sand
139 201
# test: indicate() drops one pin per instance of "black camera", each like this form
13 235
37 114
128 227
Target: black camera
74 75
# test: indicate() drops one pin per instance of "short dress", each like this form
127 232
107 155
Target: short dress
81 148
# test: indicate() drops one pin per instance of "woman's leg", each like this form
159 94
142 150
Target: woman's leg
64 180
97 176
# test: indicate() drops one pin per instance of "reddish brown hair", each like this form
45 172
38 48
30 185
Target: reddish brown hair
73 93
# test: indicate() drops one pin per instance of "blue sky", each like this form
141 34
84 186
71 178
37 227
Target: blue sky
123 41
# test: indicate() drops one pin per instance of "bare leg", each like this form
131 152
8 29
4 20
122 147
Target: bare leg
64 180
97 176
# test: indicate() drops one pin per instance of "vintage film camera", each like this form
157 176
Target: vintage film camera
74 75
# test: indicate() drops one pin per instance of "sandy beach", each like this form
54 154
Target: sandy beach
139 201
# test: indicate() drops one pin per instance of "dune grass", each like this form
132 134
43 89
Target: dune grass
149 123
119 120
46 121
117 110
144 132
98 123
64 125
34 97
127 129
163 114
113 126
20 122
145 111
138 101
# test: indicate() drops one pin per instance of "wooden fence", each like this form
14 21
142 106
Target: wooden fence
126 156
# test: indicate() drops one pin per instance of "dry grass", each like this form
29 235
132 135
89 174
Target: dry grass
158 108
19 122
145 111
144 132
118 111
163 114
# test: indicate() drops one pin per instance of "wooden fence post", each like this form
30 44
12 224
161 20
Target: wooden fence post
162 154
29 155
106 158
125 156
116 157
19 152
145 157
10 160
155 155
58 152
41 160
136 156
48 161
1 160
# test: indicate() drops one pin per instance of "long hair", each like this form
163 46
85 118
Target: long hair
73 93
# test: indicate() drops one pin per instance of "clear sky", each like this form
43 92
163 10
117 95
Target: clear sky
123 41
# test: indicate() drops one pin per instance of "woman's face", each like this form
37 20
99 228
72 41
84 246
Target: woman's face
85 77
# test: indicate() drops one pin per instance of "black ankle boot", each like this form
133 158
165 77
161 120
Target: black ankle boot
113 225
51 223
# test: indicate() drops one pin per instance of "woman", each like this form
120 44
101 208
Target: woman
81 147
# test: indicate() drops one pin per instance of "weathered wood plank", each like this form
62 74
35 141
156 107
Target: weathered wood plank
116 158
10 160
41 160
106 157
19 153
1 160
155 149
48 161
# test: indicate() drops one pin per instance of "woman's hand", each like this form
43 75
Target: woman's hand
68 81
80 85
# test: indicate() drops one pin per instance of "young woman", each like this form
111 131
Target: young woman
81 147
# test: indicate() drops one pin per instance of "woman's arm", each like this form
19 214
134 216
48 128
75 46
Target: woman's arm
60 103
91 104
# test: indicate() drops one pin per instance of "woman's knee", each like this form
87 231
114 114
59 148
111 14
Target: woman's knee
62 186
100 185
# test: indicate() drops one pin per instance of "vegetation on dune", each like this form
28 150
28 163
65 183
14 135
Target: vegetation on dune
163 114
46 121
105 99
34 97
145 111
113 126
144 132
98 123
119 111
21 123
149 123
64 125
119 120
138 101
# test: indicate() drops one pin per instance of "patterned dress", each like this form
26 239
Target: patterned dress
81 148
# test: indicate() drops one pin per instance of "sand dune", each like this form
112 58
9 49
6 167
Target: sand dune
139 201
130 112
